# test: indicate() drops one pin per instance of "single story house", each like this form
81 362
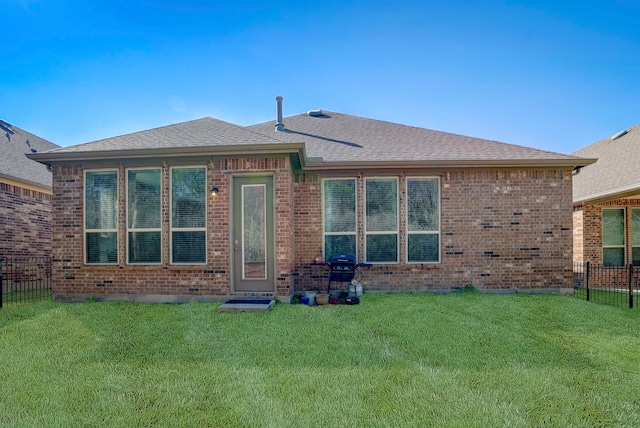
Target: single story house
207 210
606 202
25 194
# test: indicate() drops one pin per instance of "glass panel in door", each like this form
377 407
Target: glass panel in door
254 231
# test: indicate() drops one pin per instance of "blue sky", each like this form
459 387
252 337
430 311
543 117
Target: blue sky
555 75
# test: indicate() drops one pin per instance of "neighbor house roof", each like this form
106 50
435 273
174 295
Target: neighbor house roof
617 172
332 139
14 165
327 141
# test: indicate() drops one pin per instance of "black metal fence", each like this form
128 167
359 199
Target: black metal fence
24 279
612 285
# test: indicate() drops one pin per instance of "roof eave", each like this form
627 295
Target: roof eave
463 163
227 150
609 195
45 188
310 164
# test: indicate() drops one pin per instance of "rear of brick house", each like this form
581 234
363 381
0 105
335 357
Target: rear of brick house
206 210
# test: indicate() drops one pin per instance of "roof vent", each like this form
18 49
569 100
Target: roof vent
619 134
315 113
279 124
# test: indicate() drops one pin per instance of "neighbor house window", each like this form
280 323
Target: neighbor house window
143 216
101 217
635 236
339 203
188 215
423 220
381 220
613 237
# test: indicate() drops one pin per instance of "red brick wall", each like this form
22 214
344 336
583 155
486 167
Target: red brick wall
501 229
578 238
25 222
72 279
592 228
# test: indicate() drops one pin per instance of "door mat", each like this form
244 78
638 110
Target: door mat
248 301
246 305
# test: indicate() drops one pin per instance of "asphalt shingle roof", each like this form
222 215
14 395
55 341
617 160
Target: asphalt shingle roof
204 132
330 139
14 144
617 170
337 137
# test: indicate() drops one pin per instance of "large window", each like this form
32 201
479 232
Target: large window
339 216
423 220
101 217
613 242
143 216
381 220
188 215
380 212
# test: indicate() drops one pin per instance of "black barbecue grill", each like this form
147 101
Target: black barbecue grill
343 268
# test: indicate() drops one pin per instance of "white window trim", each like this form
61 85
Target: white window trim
426 232
386 232
129 230
84 217
355 232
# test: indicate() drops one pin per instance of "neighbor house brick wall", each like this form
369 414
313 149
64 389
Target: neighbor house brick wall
72 279
592 227
501 229
25 222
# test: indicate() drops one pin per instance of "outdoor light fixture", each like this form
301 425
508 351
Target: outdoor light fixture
214 191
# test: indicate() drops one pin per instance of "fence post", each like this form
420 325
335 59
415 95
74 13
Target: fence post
586 279
630 286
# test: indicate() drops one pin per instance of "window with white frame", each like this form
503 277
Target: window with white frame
101 217
613 242
143 216
188 215
339 225
381 220
423 220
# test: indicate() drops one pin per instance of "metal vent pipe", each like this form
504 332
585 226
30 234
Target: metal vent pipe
279 124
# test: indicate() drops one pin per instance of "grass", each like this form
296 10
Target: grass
401 360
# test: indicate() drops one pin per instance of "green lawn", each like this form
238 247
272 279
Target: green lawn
400 360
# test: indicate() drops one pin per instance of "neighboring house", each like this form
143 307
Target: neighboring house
207 209
25 194
606 201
